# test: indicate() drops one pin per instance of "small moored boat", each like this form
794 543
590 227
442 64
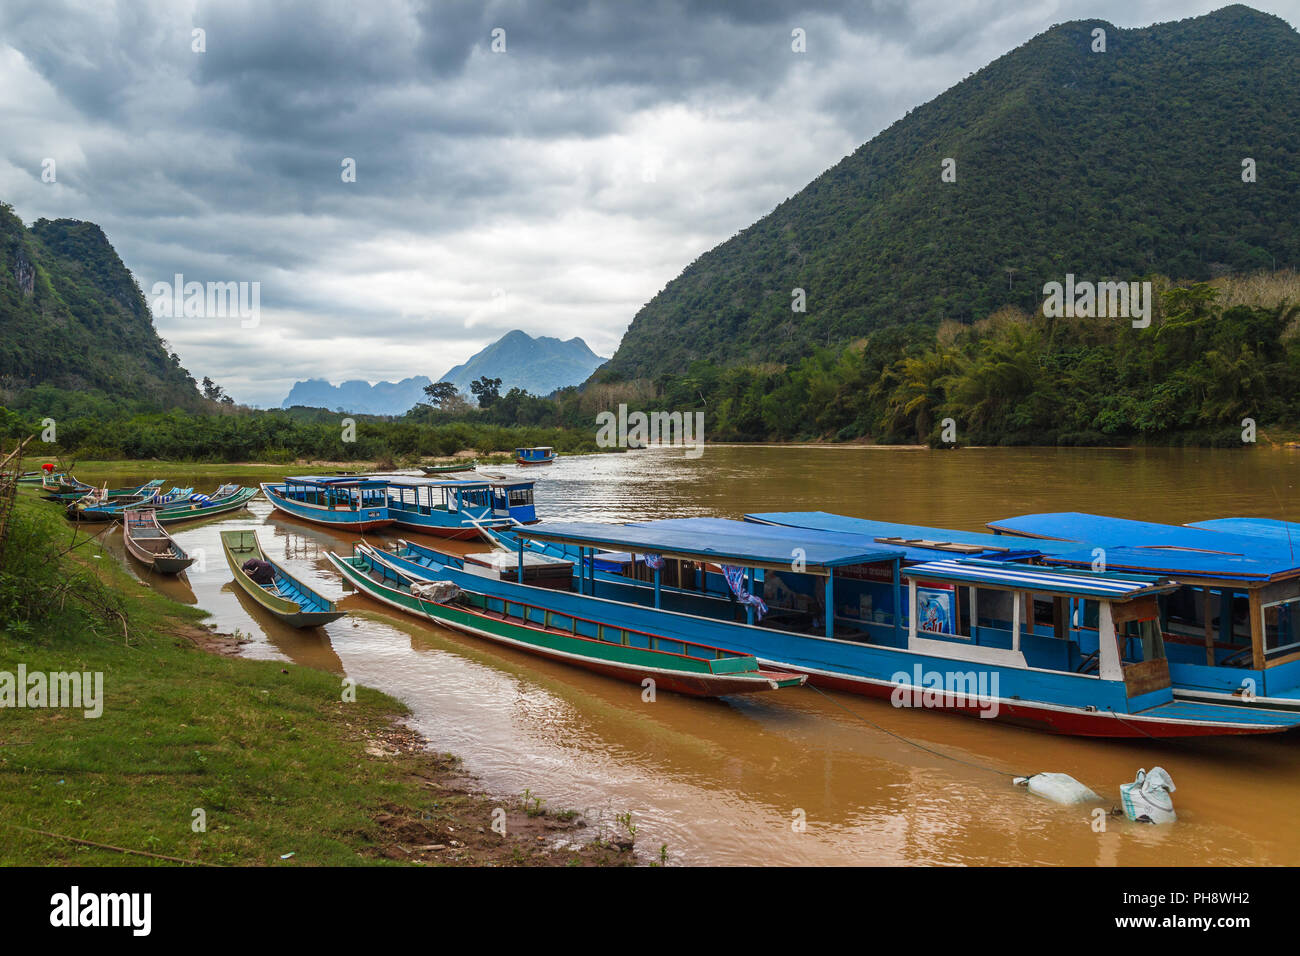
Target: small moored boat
286 597
542 455
449 469
149 544
673 663
354 503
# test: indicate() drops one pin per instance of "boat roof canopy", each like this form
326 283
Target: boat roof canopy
720 540
1021 577
1149 546
920 543
336 481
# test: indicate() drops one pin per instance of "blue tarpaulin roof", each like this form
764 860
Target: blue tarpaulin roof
1033 578
990 545
719 540
1157 548
1284 533
336 481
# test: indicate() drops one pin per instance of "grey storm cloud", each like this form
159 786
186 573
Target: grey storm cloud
554 187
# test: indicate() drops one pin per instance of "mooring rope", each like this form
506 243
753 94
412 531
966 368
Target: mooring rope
918 746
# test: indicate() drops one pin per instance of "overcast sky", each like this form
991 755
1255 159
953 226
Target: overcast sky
553 187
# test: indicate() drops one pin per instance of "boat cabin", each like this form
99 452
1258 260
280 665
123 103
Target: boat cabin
477 498
342 493
1105 624
541 455
1232 627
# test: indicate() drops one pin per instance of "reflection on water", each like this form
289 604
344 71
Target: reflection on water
723 781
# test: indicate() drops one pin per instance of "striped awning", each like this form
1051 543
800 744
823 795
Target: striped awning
1022 577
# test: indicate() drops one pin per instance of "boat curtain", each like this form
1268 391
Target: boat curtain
654 561
736 581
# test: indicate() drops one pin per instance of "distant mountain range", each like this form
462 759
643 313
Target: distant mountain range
382 398
537 365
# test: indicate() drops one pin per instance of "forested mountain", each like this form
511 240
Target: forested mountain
1120 163
73 317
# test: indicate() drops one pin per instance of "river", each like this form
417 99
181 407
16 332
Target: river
797 777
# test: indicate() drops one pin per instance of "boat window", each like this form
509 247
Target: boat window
1280 625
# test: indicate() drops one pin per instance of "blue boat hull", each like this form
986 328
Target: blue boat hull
1077 704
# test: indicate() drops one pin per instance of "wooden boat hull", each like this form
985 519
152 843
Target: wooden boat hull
146 541
628 664
873 670
540 461
448 469
361 519
238 547
193 512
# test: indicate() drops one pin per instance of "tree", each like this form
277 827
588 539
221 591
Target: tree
440 393
487 390
211 390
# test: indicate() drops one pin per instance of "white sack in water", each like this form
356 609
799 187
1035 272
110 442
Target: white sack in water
1147 800
435 592
1058 787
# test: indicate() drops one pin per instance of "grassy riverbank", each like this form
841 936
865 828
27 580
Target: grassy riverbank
284 771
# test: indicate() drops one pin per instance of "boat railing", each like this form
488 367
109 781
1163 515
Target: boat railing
606 633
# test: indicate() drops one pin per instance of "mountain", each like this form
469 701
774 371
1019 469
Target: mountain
73 317
382 398
1120 163
537 365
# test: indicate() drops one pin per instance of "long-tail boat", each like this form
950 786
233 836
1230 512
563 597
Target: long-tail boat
117 496
148 543
674 663
286 597
94 507
347 502
458 508
1103 674
449 469
183 505
542 455
1232 628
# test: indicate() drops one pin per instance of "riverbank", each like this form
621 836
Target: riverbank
200 756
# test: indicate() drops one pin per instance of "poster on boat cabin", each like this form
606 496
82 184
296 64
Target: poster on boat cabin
934 609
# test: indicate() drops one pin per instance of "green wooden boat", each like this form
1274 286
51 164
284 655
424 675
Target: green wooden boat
117 496
682 666
287 598
449 469
186 507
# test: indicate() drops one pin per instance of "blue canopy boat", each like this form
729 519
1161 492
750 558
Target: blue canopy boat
1232 628
777 584
358 504
458 508
542 455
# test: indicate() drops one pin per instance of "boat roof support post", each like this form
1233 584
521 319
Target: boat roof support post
657 588
1109 666
520 539
830 602
1256 612
1016 605
911 611
898 598
749 586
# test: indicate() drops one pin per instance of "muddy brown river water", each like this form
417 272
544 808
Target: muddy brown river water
724 782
